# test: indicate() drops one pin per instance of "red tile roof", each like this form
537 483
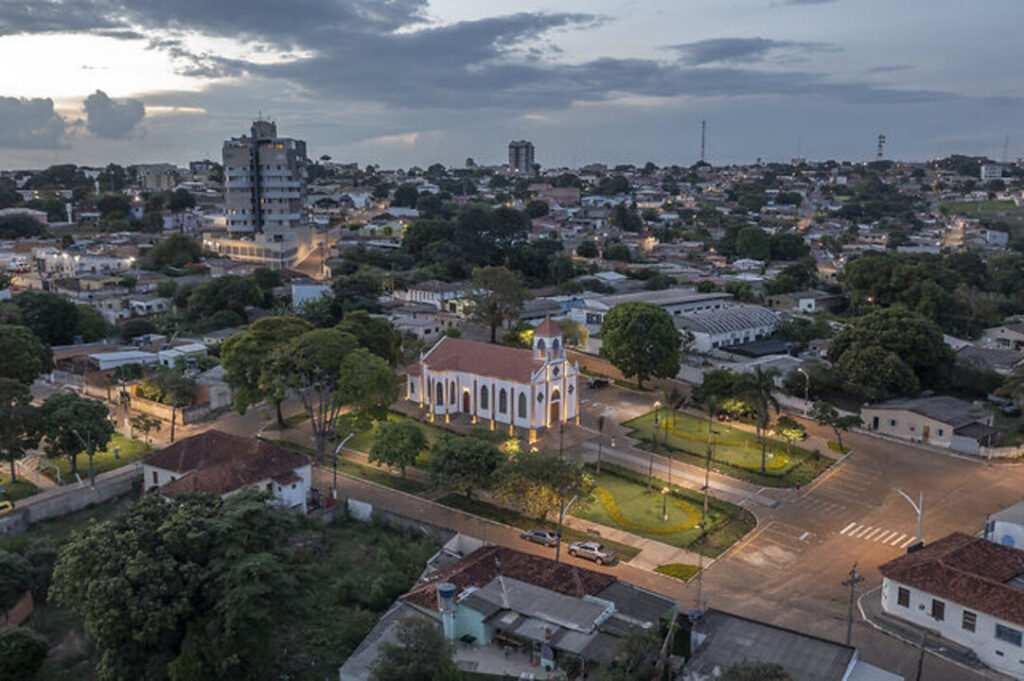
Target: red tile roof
966 570
547 328
482 359
483 565
215 462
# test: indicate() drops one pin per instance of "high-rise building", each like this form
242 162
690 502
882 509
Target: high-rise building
265 182
520 157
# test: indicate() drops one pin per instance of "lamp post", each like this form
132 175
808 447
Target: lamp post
600 441
664 504
334 459
561 519
657 408
852 582
807 390
919 507
88 448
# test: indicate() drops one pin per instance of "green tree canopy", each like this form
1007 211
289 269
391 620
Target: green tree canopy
22 653
465 463
641 340
176 251
52 318
498 296
23 356
376 334
752 242
73 424
539 484
398 443
19 428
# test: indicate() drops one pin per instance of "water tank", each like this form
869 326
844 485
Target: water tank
446 596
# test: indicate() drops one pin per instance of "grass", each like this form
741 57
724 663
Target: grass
127 450
678 570
362 441
838 448
516 519
736 452
726 523
19 489
978 207
381 476
289 422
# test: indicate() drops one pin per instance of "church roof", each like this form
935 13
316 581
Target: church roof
482 359
547 328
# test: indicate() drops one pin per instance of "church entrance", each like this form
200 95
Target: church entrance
466 407
556 412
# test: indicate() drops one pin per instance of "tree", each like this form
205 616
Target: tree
752 242
23 356
22 653
133 328
113 206
825 414
189 591
144 423
73 424
398 443
587 249
175 251
465 463
635 659
641 340
244 354
20 227
538 484
376 334
617 251
790 430
787 246
420 653
90 323
50 317
405 196
18 422
228 293
755 671
15 579
757 388
537 209
498 295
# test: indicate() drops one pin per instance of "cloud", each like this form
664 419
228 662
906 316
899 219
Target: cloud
738 50
112 118
30 124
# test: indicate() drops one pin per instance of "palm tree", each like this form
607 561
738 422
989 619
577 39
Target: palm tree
757 390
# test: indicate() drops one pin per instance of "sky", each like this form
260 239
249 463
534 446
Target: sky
412 82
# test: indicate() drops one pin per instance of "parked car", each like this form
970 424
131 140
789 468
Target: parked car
597 383
592 550
6 507
544 537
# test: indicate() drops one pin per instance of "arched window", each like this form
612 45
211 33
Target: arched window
522 405
484 398
412 388
440 394
451 394
554 345
541 345
555 395
502 401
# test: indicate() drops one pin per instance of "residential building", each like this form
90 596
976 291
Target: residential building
1001 360
442 295
529 389
941 421
1006 336
521 157
1007 526
142 305
727 326
991 171
969 591
719 640
510 613
215 462
157 177
265 181
675 301
805 301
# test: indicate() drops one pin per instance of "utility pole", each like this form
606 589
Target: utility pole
852 582
334 487
919 507
600 441
703 135
561 519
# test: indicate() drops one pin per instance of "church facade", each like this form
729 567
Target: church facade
498 385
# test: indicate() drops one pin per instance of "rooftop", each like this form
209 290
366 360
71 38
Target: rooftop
939 407
970 571
728 319
482 359
670 296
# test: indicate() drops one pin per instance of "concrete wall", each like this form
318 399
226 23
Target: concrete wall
999 654
908 425
62 501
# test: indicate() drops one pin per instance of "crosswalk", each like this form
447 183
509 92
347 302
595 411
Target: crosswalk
878 535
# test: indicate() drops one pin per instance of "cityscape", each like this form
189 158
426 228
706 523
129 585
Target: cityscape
368 385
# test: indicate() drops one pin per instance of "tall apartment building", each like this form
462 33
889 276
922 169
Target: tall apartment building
520 157
265 182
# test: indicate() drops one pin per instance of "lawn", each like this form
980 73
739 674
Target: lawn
381 476
516 519
735 452
120 452
678 570
977 207
362 441
289 422
13 491
623 502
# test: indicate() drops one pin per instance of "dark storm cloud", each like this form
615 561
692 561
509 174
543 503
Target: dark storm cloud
30 124
740 50
112 118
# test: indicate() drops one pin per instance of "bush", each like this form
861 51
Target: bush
22 652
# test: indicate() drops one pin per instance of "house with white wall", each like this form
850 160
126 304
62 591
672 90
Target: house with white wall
1007 526
967 590
940 420
215 462
676 301
528 389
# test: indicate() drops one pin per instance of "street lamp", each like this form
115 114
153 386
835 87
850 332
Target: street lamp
561 519
334 489
807 389
852 582
88 448
919 507
657 406
664 504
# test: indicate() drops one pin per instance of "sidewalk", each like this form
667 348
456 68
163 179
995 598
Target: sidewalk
652 553
870 606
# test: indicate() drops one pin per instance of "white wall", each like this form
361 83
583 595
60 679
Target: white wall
1001 655
908 426
1005 533
157 477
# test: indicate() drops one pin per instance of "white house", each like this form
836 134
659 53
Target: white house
142 305
440 294
169 356
729 325
1007 526
968 590
939 420
215 462
521 388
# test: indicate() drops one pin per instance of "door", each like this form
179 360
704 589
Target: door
556 412
465 402
926 432
874 423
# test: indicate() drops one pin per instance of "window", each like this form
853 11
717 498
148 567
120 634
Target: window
440 394
484 398
502 401
451 394
156 480
892 423
938 610
941 432
522 405
1008 634
970 621
412 388
903 597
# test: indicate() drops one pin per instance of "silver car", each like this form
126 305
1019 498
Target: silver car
592 550
545 537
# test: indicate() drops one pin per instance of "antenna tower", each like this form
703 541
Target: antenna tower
881 147
703 134
1006 148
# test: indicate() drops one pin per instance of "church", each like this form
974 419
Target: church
495 384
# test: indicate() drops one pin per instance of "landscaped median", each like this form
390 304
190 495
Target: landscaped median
735 452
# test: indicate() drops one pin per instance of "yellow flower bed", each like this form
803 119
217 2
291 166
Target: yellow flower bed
607 500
